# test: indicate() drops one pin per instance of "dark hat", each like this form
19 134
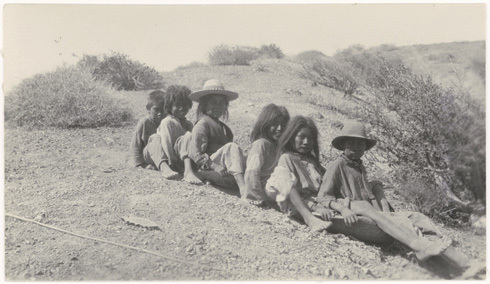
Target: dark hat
352 129
213 86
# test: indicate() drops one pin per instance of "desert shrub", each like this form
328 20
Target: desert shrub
333 74
385 48
351 51
271 51
89 62
67 97
232 55
477 63
364 64
310 56
193 64
122 73
426 129
424 196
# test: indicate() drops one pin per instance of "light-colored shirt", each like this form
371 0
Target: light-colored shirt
170 129
260 165
307 171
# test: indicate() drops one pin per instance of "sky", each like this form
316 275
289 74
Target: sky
40 38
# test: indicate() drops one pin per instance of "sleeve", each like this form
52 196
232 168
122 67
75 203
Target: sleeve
199 145
188 125
137 145
330 188
166 131
255 162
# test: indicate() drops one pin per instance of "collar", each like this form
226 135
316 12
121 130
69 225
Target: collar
176 118
152 121
358 165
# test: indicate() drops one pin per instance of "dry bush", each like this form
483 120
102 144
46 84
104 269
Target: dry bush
68 97
271 51
310 56
193 64
122 73
232 55
418 190
426 129
333 74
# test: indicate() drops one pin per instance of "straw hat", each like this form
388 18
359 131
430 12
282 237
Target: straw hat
213 86
352 129
364 230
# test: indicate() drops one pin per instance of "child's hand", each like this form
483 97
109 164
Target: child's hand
325 214
350 217
221 170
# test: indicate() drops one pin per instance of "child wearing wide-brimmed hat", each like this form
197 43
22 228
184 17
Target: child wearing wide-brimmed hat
218 159
346 189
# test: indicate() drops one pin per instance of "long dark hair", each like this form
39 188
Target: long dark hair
286 141
266 117
176 94
204 100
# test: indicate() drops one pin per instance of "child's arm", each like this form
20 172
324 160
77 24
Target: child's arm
349 216
199 144
137 145
320 210
379 194
255 162
330 190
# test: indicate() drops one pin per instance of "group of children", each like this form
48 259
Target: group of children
282 169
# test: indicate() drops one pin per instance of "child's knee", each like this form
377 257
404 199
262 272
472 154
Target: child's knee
233 147
235 151
376 185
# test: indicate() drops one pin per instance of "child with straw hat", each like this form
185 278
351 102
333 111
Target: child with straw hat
218 159
345 189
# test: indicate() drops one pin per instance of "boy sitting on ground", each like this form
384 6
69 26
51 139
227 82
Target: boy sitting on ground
345 189
146 127
167 149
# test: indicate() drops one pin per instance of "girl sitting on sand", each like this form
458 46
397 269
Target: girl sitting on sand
218 159
262 156
295 182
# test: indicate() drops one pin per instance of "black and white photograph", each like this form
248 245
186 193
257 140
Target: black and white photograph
256 141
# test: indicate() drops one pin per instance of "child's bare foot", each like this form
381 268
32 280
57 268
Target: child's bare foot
431 249
258 203
317 225
191 178
167 172
473 270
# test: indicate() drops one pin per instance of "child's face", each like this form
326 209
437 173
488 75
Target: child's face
354 148
179 110
215 106
277 128
156 113
303 142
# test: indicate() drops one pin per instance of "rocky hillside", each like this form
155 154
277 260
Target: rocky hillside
77 181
